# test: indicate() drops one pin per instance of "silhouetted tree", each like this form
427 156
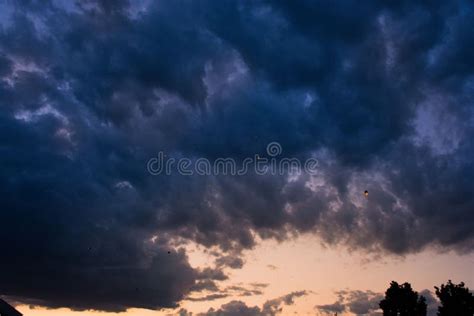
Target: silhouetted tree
421 306
401 300
455 300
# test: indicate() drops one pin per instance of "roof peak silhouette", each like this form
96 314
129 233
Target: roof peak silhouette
8 310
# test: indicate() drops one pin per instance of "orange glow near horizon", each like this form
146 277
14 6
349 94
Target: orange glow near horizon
304 264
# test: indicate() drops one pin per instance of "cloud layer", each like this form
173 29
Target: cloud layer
380 94
238 308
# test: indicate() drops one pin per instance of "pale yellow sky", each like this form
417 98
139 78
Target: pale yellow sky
303 264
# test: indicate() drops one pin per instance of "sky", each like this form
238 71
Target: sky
145 153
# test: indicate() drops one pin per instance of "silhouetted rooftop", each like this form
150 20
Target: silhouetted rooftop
8 310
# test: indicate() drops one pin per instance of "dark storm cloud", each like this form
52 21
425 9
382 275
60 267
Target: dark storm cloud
381 94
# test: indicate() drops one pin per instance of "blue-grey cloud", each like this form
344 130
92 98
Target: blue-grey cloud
380 93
